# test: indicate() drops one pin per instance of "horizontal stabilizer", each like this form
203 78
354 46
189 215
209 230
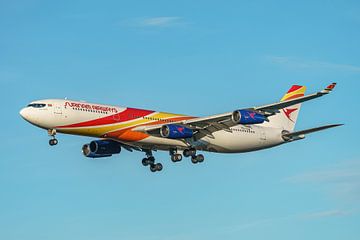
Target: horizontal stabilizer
301 134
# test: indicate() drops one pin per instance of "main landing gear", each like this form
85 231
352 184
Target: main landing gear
175 156
53 141
191 152
149 160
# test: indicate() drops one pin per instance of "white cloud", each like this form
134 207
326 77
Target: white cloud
280 219
154 22
325 214
298 63
160 21
341 180
332 175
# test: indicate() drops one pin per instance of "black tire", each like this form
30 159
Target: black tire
159 166
192 151
186 153
200 158
145 162
173 158
153 168
51 142
178 157
151 160
55 141
194 160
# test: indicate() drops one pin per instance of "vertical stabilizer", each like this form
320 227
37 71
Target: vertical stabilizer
286 118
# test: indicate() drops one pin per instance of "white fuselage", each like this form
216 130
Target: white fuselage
104 121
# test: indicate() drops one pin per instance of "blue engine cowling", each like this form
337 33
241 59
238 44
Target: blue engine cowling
101 148
174 131
247 117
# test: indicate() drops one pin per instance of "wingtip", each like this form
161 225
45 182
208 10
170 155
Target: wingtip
329 88
337 125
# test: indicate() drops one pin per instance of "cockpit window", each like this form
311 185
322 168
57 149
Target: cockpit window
37 105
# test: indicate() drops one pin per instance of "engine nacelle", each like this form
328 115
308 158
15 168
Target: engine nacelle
174 131
247 117
101 148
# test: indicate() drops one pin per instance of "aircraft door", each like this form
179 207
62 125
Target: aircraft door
58 110
116 117
262 136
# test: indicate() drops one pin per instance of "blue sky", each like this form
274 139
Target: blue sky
193 57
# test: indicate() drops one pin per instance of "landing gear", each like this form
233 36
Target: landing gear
175 156
156 167
52 133
191 152
197 159
149 160
53 142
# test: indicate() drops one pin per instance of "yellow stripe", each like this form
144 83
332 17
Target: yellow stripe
299 91
101 130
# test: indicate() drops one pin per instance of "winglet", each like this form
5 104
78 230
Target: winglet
329 88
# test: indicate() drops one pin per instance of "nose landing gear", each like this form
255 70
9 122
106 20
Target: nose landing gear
53 141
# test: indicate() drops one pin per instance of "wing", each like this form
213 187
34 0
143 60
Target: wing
205 126
271 109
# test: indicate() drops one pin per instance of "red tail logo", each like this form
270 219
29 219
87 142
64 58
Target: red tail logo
288 112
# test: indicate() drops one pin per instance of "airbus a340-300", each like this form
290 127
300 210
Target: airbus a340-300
118 128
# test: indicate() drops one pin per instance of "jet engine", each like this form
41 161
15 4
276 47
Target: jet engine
101 148
174 131
247 117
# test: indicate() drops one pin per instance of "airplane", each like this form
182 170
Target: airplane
116 128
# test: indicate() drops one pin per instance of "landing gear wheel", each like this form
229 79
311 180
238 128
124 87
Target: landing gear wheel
186 153
151 160
153 167
176 157
194 160
197 159
158 167
53 142
189 152
145 162
200 158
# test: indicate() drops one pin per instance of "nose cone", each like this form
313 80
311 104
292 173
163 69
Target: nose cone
24 113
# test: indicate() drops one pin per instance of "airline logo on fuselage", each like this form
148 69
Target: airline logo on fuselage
90 107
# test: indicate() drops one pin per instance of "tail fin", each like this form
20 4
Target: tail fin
287 117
